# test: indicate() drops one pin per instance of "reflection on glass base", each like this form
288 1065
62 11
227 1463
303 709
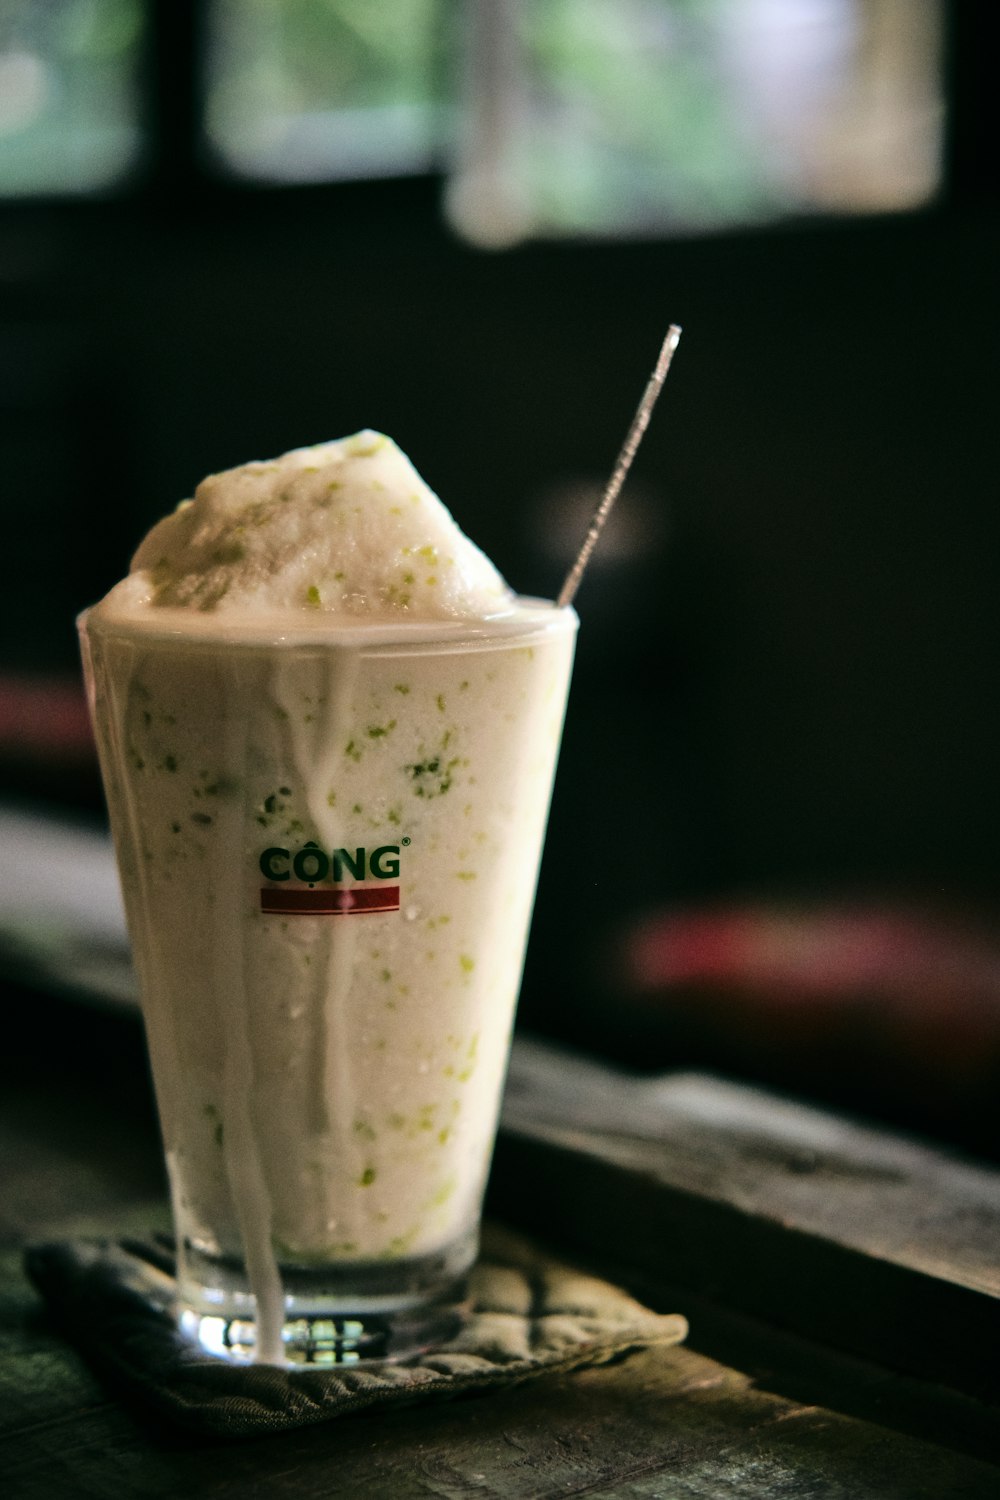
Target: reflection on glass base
326 1341
339 1314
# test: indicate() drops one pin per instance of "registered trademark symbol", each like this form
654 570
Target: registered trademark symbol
406 841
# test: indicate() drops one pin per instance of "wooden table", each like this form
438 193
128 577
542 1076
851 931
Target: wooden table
745 1409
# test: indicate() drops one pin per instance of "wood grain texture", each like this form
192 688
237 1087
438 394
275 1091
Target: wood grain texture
852 1236
747 1412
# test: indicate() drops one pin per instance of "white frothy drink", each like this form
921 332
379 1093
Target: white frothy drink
328 733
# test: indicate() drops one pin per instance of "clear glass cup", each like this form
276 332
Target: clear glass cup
328 842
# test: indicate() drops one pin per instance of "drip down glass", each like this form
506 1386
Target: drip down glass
328 841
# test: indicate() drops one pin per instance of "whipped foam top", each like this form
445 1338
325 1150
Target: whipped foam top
346 528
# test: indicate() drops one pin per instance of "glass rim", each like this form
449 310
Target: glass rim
282 631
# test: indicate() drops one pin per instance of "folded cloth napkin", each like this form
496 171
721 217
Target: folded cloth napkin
530 1315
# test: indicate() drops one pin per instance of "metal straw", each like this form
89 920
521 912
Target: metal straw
635 434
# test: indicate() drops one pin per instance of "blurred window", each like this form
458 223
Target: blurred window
69 95
321 90
597 118
627 117
592 117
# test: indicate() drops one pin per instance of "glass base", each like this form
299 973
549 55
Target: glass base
340 1314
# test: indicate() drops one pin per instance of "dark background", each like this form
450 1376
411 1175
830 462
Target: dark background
786 691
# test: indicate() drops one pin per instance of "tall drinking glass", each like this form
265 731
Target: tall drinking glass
328 842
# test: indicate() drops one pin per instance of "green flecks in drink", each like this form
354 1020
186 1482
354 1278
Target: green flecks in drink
379 731
229 552
331 799
386 975
170 763
465 874
409 578
313 598
467 963
364 1130
444 1192
431 777
357 809
440 702
402 687
443 1135
392 816
472 1057
281 715
367 1177
147 717
396 1121
175 828
203 819
219 1132
352 751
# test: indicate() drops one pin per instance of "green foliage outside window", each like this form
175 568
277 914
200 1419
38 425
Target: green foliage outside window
68 97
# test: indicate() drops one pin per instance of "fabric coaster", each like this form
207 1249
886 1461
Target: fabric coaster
530 1316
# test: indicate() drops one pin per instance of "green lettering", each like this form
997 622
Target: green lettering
311 864
384 862
267 865
356 865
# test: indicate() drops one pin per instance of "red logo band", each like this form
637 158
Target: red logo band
340 901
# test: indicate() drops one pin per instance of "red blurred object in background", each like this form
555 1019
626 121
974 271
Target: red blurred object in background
896 1008
44 716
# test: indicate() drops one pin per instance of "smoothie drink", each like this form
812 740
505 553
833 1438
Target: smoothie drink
328 734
